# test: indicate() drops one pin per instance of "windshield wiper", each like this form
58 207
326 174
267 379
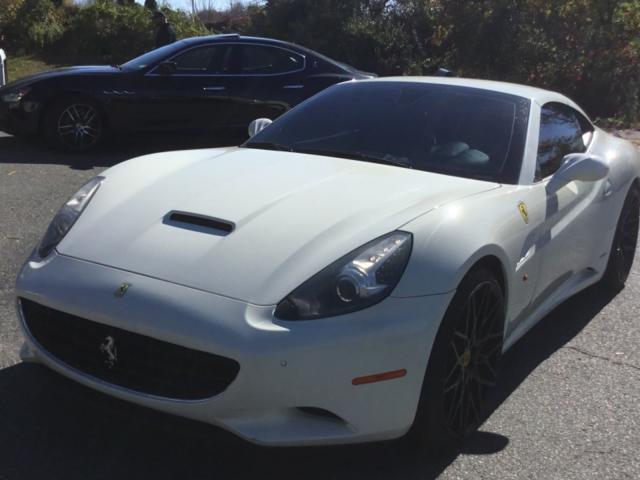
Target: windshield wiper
353 156
269 146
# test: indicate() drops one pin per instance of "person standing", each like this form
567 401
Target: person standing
164 33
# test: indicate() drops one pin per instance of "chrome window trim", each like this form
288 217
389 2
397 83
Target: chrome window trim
302 68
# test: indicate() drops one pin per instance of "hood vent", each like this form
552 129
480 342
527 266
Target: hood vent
199 223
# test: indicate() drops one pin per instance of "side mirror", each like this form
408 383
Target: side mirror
167 68
582 167
258 124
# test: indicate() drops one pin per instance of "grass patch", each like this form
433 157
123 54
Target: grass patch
19 67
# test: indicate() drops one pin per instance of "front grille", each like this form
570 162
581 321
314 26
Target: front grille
127 359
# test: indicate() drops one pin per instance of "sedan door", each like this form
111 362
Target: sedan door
266 81
187 93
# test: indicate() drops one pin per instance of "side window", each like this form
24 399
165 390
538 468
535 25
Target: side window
264 60
562 131
211 60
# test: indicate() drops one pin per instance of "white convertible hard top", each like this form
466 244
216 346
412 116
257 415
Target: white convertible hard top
538 95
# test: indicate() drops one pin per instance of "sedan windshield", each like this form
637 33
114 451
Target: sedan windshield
151 58
446 129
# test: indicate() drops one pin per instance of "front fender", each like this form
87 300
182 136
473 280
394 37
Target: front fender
447 243
449 240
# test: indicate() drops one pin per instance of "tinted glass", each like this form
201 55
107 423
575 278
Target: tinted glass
262 60
211 59
562 131
452 130
154 56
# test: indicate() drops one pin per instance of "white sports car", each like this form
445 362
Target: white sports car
352 273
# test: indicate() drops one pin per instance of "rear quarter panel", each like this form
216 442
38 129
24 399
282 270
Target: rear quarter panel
624 164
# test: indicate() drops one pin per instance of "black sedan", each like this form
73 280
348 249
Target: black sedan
194 85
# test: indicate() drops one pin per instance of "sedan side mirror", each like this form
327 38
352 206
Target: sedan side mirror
258 124
167 68
580 166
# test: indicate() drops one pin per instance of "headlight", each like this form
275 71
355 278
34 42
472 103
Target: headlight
67 216
356 281
15 97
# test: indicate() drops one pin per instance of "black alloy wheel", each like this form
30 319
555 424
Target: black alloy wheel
472 363
463 365
79 126
74 125
624 244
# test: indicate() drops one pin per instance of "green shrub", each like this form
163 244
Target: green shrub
106 32
102 31
184 25
587 49
8 12
32 25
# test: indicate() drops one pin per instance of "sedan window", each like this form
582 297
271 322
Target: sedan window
212 59
264 60
562 131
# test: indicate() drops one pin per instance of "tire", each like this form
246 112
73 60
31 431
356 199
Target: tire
462 367
624 244
74 124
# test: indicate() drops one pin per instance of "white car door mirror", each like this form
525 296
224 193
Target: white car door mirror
258 124
582 167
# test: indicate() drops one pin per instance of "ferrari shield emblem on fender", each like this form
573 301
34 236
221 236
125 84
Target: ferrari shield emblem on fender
121 290
523 211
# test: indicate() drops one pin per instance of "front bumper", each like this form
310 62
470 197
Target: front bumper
283 365
4 117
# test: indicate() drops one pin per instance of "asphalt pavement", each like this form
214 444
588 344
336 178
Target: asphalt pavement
567 406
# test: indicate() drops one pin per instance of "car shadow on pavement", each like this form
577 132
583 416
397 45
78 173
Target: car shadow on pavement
52 428
33 151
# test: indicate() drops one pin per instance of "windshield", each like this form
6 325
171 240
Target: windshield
152 57
446 129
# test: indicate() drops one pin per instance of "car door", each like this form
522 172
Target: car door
567 234
189 92
267 81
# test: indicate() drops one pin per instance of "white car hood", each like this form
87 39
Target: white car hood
294 214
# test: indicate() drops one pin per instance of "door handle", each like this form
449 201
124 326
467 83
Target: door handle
293 87
118 92
214 89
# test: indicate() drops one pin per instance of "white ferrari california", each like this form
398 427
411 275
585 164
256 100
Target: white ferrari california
352 273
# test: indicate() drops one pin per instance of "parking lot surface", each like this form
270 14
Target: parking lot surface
567 406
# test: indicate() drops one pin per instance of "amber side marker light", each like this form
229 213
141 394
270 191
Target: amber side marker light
379 377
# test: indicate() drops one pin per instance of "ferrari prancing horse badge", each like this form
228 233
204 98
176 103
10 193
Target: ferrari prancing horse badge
523 211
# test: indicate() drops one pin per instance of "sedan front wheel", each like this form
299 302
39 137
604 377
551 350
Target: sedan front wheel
75 125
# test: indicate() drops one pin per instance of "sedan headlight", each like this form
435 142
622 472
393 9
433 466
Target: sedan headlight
356 281
15 97
67 216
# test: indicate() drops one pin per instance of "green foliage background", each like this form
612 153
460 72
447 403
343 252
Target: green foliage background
104 31
587 49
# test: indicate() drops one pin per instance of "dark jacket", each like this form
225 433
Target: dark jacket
165 35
